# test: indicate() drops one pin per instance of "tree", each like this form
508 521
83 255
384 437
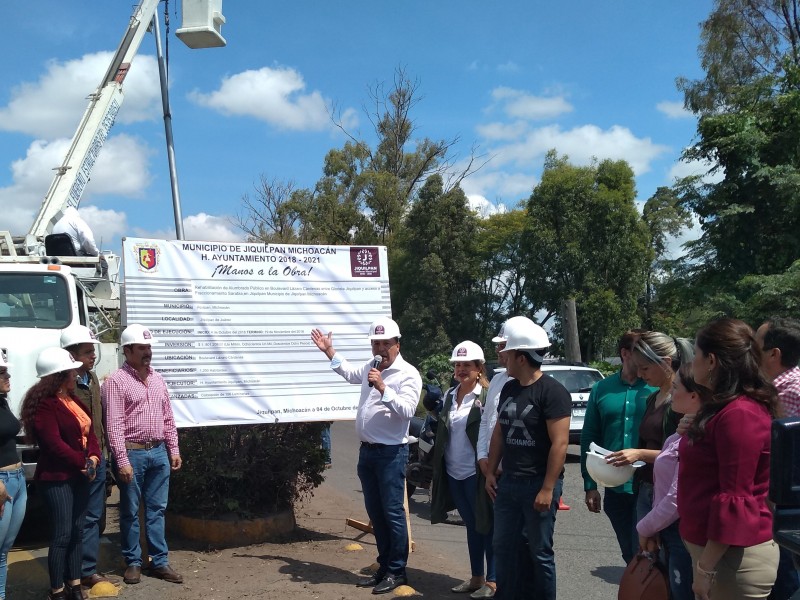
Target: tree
267 217
502 262
585 240
665 218
437 272
749 219
742 42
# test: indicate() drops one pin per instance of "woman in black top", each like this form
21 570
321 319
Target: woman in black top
13 493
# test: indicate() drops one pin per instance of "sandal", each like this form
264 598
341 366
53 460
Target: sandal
465 587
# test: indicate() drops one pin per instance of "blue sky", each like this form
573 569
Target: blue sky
589 78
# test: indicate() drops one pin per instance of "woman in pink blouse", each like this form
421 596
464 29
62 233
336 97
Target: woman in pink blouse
723 476
659 528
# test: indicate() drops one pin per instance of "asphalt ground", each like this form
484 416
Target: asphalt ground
588 561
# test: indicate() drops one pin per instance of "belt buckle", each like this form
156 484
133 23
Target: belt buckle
149 445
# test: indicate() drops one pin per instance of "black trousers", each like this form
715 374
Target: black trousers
66 502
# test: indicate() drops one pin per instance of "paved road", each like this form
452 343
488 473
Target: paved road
587 556
588 561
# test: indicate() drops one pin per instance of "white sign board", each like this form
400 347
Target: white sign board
233 324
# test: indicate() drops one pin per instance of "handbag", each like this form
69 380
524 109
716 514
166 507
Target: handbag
644 579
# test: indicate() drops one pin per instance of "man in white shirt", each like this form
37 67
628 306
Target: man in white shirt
389 396
78 231
489 417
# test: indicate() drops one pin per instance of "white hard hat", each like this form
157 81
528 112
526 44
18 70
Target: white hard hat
607 474
526 336
501 336
77 334
384 329
136 334
55 360
467 351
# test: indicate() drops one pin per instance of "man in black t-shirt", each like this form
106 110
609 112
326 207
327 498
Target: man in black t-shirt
531 438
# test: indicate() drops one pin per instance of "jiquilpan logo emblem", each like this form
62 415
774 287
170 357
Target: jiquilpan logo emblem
147 258
365 262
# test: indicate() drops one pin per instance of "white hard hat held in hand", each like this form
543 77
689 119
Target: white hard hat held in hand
137 334
55 360
466 351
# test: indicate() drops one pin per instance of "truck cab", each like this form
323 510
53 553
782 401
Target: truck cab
37 302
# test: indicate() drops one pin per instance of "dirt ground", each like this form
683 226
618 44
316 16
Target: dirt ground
311 563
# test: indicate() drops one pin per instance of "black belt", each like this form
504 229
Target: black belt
373 446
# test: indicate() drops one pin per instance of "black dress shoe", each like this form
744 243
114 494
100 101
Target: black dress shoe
389 583
370 581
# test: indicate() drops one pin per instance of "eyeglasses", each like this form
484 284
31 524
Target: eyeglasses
5 375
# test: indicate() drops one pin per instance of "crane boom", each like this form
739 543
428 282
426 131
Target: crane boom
72 176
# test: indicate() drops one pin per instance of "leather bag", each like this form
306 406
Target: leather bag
644 579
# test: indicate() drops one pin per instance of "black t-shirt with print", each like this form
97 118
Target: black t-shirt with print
522 413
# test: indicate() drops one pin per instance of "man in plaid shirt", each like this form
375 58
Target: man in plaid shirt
779 339
144 444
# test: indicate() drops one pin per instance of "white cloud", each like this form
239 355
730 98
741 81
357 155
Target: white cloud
508 67
502 131
202 226
582 144
511 187
276 96
683 169
50 107
521 105
483 207
108 226
121 169
674 110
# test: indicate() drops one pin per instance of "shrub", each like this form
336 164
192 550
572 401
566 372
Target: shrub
246 470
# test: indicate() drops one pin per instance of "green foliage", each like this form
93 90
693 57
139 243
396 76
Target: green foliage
768 295
743 42
502 290
584 239
439 364
605 367
246 470
436 272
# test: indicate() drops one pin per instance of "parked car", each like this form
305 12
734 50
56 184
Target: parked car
579 380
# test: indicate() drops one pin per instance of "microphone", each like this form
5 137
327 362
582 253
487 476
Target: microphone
376 362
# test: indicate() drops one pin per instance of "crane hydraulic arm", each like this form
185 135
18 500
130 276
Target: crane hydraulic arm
73 174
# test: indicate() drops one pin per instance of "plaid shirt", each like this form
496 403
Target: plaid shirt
788 384
137 411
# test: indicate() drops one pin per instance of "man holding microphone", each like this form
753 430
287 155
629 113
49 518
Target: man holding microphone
390 391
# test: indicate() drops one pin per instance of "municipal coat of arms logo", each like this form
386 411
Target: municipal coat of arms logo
147 258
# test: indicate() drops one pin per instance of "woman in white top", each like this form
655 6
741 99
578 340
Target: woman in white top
455 477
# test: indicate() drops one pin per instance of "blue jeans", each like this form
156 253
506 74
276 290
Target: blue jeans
513 509
326 443
676 558
91 525
787 582
621 511
464 493
13 514
382 471
150 481
644 502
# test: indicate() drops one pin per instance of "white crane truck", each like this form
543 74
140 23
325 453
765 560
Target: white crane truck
41 295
